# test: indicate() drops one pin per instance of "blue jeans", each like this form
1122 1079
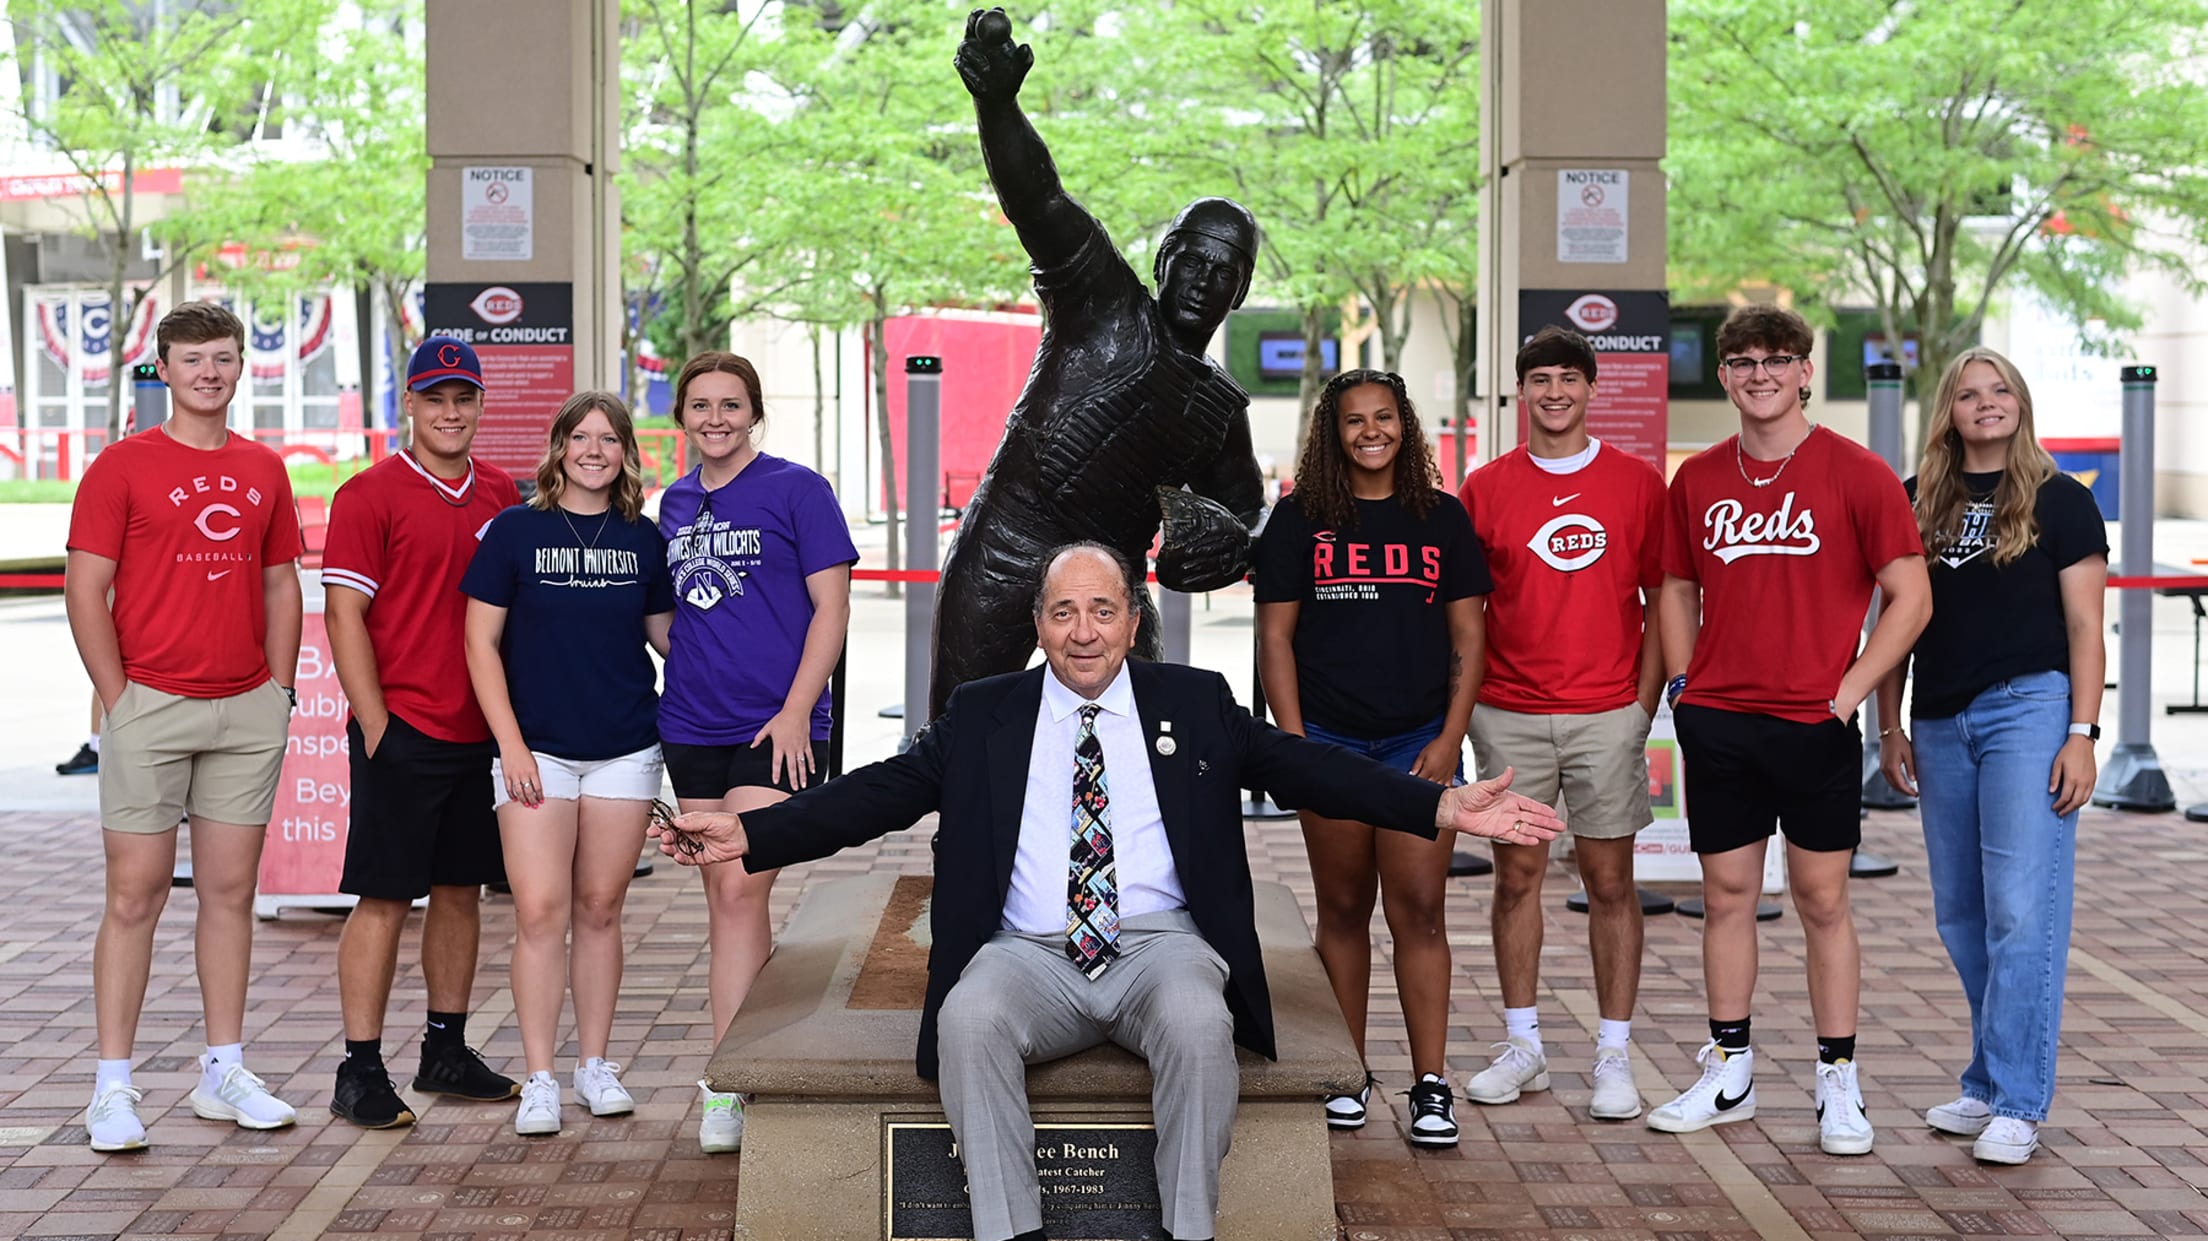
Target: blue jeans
2002 880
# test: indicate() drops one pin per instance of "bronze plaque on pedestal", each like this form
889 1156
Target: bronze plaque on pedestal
1099 1182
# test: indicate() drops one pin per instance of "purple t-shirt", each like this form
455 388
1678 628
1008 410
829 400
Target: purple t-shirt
740 556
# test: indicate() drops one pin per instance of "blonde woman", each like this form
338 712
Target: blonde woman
2008 691
563 596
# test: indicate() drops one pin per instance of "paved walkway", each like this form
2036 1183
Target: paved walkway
2124 1152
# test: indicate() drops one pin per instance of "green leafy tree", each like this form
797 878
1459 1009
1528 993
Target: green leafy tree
145 86
354 217
1927 156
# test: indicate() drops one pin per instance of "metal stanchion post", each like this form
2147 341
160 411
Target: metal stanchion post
2133 778
1883 382
1176 624
923 483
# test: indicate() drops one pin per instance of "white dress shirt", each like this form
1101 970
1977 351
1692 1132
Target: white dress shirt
1143 860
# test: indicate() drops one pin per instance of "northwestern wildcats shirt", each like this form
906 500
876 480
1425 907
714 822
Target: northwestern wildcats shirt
1786 569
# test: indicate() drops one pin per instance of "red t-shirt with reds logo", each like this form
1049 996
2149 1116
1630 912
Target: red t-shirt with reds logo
1571 554
1786 569
403 537
189 530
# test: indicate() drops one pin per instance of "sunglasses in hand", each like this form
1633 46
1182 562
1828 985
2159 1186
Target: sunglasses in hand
661 817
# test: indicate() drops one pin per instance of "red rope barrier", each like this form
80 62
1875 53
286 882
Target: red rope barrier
2174 581
30 581
923 575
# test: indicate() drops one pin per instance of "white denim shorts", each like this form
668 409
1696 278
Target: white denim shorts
630 777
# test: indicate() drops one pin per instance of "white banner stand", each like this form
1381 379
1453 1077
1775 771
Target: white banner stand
1662 853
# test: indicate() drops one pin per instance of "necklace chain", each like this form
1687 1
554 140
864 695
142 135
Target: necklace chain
601 532
1740 461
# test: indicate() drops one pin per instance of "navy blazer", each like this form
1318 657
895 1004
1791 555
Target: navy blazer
970 764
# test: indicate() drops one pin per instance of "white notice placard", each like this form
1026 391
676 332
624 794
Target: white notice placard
1591 215
497 220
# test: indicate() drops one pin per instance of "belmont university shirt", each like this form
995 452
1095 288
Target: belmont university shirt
1786 569
1571 554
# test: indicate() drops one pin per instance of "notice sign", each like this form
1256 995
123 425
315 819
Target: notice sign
497 216
1099 1182
525 336
305 851
1631 333
1591 215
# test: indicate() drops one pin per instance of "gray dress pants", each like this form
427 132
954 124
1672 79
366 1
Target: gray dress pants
1021 1002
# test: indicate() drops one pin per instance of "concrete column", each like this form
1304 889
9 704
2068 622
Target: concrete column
524 221
1574 87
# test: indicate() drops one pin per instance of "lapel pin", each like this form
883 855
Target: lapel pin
1203 767
1166 746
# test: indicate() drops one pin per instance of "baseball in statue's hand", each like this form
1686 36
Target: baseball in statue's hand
990 64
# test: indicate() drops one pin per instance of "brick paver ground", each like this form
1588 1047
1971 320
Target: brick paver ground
2126 1151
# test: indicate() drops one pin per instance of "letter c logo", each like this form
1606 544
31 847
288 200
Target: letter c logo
218 536
448 355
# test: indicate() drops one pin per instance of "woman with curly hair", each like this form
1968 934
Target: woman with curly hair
564 594
2007 697
1369 579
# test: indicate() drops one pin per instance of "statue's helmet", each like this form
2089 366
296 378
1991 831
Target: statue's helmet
1221 219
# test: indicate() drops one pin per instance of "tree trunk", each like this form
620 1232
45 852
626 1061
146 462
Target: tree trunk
398 347
820 411
878 330
1314 370
1391 309
1465 345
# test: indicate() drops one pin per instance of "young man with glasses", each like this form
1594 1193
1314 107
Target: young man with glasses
1573 530
1774 541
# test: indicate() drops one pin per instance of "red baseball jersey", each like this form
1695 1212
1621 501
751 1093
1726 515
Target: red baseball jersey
1571 554
402 536
1786 568
189 530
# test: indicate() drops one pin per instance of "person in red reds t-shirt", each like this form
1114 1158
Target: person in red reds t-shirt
401 535
1573 530
183 597
1774 541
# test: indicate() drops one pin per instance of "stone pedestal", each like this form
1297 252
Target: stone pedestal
824 1046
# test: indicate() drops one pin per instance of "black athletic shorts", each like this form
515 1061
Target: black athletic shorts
421 815
708 772
1748 774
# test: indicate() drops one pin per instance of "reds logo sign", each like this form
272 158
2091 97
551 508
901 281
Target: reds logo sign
497 305
1570 542
1593 313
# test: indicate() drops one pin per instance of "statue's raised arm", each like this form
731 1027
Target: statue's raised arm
1052 226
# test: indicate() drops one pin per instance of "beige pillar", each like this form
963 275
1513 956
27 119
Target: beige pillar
524 221
1572 206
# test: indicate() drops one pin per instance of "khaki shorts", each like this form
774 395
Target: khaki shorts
162 755
1597 764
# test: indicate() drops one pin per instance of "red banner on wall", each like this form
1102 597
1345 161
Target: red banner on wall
524 334
1631 333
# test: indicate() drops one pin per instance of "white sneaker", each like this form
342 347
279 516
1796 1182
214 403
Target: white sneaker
1726 1093
236 1094
1517 1067
1347 1111
720 1121
1842 1126
1965 1117
539 1113
112 1121
2006 1140
598 1085
1616 1096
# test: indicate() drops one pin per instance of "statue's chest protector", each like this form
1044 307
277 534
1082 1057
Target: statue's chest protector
1105 452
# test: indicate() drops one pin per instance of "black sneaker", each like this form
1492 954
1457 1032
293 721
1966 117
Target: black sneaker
1433 1113
458 1070
365 1096
85 762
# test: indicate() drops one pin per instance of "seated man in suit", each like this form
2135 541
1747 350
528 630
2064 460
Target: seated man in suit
1147 936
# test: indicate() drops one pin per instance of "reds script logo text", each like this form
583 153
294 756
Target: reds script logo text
219 521
1735 533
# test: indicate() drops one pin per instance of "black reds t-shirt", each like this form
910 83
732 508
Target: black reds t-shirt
1372 636
1990 624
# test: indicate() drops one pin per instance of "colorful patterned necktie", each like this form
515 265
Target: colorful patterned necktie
1092 881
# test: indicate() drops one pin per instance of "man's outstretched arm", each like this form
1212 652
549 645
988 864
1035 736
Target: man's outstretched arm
1052 226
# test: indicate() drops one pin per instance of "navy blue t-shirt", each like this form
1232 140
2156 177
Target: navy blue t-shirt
576 591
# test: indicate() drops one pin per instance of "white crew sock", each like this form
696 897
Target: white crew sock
111 1073
92 743
1613 1034
1525 1024
219 1059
